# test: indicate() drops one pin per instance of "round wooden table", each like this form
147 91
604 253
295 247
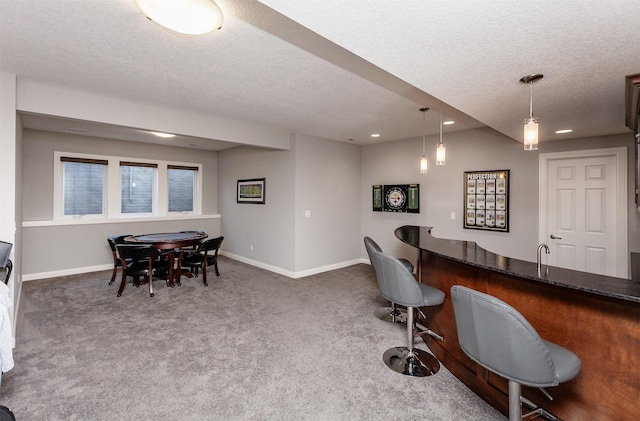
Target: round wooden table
170 241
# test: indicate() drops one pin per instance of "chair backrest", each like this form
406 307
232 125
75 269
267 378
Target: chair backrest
5 251
499 338
372 247
137 251
395 281
211 244
116 239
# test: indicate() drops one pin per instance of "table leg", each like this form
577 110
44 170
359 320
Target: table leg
178 274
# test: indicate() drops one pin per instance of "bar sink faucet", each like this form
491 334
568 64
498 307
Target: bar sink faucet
546 250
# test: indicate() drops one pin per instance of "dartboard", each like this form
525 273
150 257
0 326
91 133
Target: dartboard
395 198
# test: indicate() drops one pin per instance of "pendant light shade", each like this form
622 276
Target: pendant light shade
441 150
531 123
190 17
530 134
424 163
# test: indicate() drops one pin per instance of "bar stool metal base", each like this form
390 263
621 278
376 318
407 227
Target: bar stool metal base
390 314
420 364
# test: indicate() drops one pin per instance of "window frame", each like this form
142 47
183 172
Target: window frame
154 188
196 190
112 190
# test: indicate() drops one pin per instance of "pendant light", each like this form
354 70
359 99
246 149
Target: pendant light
441 151
531 123
424 164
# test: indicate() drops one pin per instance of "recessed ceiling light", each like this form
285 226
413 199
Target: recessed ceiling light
164 135
564 131
448 122
375 135
73 129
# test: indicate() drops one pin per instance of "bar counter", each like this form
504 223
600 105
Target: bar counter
597 317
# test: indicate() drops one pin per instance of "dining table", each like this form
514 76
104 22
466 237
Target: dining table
174 241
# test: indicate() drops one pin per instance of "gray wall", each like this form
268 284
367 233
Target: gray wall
269 227
38 163
327 177
315 175
441 190
330 179
84 245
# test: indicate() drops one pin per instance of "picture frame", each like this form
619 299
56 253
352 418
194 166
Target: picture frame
402 198
251 190
486 200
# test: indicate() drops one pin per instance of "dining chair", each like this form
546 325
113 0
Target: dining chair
201 258
113 241
141 260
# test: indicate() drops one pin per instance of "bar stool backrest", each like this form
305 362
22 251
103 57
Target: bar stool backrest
395 281
499 338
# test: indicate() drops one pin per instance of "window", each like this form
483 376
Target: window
83 186
98 186
182 182
136 187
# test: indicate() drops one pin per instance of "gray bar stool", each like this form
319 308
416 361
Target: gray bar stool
398 285
390 314
496 336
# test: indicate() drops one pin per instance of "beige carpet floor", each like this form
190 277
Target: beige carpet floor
253 345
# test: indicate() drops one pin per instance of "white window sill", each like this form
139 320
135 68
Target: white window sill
98 221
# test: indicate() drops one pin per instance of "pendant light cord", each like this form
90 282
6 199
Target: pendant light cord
424 129
441 122
531 99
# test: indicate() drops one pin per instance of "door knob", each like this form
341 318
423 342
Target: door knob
553 237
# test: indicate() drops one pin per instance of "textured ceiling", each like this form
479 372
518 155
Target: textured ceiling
342 69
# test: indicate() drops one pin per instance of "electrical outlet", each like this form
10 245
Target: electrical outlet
453 216
251 247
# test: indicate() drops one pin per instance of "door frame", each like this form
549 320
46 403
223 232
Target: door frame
622 231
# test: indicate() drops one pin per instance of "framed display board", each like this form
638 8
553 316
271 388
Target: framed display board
396 198
486 200
251 191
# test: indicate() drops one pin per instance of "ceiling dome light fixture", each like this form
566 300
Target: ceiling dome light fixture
189 17
441 150
531 123
424 163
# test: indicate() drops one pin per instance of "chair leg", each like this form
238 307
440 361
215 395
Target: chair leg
216 268
409 361
113 274
151 294
204 273
122 283
515 410
390 314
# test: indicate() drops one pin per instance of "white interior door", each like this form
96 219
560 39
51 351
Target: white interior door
583 210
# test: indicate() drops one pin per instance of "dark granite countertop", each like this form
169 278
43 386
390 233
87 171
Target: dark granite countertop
470 253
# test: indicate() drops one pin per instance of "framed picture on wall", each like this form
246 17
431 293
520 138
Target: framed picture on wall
403 198
251 191
486 200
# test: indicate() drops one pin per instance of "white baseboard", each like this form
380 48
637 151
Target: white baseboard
289 273
65 272
261 265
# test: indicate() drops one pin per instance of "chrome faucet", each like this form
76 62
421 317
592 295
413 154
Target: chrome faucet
546 250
